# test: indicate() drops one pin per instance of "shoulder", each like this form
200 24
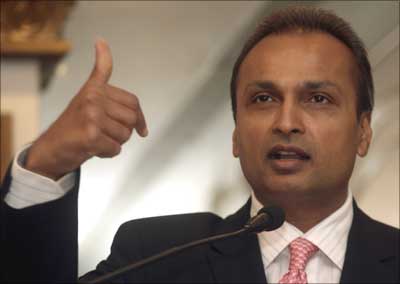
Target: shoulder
181 224
372 253
151 235
376 237
377 229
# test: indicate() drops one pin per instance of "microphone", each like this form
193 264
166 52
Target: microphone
267 219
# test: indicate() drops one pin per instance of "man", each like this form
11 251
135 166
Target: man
302 97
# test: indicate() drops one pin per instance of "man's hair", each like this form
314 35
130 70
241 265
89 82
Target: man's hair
310 19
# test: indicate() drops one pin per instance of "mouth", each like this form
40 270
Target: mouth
281 152
288 159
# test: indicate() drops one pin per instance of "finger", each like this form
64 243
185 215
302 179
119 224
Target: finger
141 126
115 130
102 69
121 113
130 100
107 147
122 97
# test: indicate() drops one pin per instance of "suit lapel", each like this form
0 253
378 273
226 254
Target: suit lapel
365 251
237 259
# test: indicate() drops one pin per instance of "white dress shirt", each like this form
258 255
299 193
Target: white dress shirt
28 188
330 236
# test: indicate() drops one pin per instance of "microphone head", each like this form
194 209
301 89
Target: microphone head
276 217
267 219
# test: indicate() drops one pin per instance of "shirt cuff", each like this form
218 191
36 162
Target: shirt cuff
28 188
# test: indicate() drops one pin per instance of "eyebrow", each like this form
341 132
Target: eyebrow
313 85
309 85
263 85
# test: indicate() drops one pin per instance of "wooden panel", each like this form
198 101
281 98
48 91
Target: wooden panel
35 48
5 143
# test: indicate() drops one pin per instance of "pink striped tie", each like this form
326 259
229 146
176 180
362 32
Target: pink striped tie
300 252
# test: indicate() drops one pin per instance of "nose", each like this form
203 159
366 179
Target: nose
288 120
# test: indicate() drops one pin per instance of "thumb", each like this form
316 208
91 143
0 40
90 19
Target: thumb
102 69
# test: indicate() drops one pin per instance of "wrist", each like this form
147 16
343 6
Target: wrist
40 161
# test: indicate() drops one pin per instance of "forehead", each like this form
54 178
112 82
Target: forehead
290 58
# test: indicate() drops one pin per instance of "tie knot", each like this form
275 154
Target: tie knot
300 252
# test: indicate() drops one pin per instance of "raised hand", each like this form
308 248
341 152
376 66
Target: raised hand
98 120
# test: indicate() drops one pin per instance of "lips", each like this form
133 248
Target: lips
282 152
288 159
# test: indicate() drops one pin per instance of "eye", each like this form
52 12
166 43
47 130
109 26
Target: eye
319 99
262 98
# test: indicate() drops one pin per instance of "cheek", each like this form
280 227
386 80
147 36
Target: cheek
251 142
252 138
252 134
337 147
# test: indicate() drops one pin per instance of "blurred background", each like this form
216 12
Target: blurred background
177 58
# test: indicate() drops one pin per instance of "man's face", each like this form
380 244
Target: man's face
297 130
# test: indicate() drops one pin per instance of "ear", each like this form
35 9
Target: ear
235 143
365 134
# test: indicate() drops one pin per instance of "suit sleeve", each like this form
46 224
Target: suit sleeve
39 243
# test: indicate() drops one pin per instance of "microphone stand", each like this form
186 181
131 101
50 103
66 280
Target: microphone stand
267 219
173 250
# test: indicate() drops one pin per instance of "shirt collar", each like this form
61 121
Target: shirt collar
330 235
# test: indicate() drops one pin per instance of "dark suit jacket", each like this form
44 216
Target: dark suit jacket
40 243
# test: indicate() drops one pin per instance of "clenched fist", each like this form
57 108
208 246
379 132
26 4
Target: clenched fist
98 120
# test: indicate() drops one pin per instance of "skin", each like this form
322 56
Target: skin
299 89
97 122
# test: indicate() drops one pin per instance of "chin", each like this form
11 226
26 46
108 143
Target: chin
287 186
